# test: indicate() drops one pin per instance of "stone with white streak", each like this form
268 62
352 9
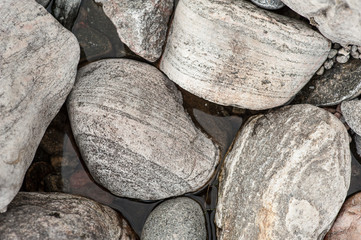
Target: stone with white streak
38 63
339 20
279 166
351 111
141 24
133 133
234 53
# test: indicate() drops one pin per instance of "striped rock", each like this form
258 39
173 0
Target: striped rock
38 63
133 133
338 20
234 53
286 176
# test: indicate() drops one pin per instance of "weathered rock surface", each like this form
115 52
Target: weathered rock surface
280 165
351 111
180 218
234 53
348 222
340 83
141 24
38 66
133 133
339 20
44 3
61 216
65 11
269 4
358 144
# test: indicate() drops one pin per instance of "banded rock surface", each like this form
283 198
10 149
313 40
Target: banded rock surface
180 218
141 24
279 166
351 111
339 20
38 63
133 133
234 53
61 216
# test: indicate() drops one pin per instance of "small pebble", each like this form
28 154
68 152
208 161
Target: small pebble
344 51
320 71
355 54
354 48
269 4
328 64
359 49
332 53
347 48
342 59
336 46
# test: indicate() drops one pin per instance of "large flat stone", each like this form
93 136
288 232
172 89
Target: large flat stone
286 176
38 65
133 133
234 53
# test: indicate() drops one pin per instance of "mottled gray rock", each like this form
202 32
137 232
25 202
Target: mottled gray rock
269 4
358 144
133 133
180 218
61 216
279 166
351 111
66 11
141 24
38 64
234 53
340 83
348 222
44 3
339 20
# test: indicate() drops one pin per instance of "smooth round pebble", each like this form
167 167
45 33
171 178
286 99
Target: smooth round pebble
342 58
180 218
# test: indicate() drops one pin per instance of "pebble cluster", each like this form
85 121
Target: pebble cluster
340 54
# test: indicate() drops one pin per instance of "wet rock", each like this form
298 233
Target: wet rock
38 66
126 116
61 216
339 21
44 3
279 166
34 177
237 54
351 111
269 4
180 218
141 24
348 222
65 11
340 83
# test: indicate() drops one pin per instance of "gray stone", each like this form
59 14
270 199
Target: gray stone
320 71
180 218
38 65
61 216
44 3
280 165
269 4
358 144
141 24
66 11
328 64
339 20
133 133
342 58
332 53
234 53
340 83
351 111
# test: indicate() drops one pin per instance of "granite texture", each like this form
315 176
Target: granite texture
234 53
351 111
286 176
141 24
180 218
61 216
38 64
133 133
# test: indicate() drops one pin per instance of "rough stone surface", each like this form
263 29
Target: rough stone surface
61 216
234 53
141 24
358 144
133 133
348 222
38 64
340 83
66 11
279 166
269 4
339 20
351 111
44 3
180 218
